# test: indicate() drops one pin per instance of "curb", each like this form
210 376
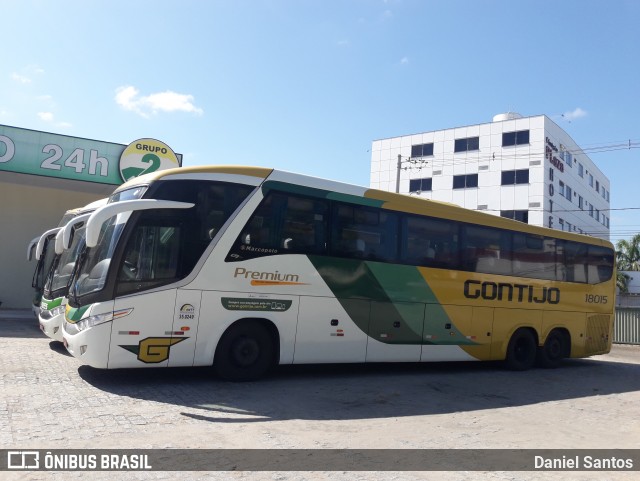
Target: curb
14 314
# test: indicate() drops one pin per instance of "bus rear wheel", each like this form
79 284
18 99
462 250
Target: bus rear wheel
551 354
522 349
245 352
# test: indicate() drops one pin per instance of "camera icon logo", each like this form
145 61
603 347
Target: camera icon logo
23 460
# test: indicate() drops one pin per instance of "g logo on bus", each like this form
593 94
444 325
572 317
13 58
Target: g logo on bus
153 350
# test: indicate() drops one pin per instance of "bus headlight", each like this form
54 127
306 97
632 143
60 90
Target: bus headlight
84 324
93 321
48 314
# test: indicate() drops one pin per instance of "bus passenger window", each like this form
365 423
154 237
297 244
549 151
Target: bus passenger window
361 232
575 260
283 223
429 242
600 264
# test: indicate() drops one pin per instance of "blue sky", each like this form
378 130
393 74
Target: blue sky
306 85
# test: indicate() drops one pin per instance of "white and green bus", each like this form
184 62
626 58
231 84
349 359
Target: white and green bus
69 241
245 268
41 249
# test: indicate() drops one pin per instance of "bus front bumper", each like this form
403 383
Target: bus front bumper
51 323
89 346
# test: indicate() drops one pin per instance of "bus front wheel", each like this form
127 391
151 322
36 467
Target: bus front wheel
522 349
245 352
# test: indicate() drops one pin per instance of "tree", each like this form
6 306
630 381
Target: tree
627 259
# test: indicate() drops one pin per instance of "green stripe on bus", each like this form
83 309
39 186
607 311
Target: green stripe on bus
48 305
74 314
402 305
407 283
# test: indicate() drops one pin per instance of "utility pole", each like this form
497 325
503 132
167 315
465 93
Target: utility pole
398 175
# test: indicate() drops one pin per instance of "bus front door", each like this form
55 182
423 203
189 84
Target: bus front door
185 327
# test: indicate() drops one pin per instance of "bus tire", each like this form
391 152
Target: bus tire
245 352
554 350
522 350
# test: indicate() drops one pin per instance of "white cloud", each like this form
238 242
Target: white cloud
49 118
26 74
20 78
128 98
576 114
46 116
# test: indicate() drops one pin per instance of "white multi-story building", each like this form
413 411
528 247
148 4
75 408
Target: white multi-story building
525 168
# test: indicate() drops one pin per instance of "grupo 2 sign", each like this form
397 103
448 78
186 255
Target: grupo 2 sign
52 155
144 156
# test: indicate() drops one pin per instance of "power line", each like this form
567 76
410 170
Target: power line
413 164
452 160
567 210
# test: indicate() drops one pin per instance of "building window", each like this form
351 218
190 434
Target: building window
561 188
590 180
604 193
515 138
597 186
607 196
567 192
420 185
591 210
521 215
510 177
580 202
467 145
580 170
422 150
567 157
598 215
465 181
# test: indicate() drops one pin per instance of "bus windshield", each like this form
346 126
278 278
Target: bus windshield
94 265
163 245
66 263
44 263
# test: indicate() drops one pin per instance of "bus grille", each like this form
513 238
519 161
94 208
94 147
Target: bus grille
598 334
